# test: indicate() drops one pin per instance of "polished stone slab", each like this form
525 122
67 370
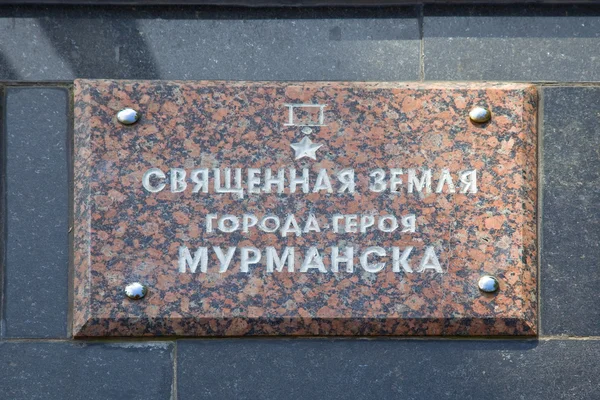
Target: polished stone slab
570 212
387 369
304 209
64 370
36 269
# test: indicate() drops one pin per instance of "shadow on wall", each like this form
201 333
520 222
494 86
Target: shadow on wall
62 43
516 43
8 72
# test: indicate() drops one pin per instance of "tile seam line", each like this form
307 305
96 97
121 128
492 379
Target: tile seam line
69 84
421 25
70 146
174 340
174 381
540 199
61 83
3 210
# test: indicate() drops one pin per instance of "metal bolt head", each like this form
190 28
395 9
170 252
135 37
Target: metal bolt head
128 116
488 284
136 291
480 115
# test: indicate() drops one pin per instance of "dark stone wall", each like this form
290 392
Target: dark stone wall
42 49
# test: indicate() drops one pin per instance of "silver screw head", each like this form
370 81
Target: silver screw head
488 284
128 116
480 115
136 291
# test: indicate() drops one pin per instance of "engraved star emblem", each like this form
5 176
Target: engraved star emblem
306 148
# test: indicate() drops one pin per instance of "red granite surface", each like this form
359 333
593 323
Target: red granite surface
124 233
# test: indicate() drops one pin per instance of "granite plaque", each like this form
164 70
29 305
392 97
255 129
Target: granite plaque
262 208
